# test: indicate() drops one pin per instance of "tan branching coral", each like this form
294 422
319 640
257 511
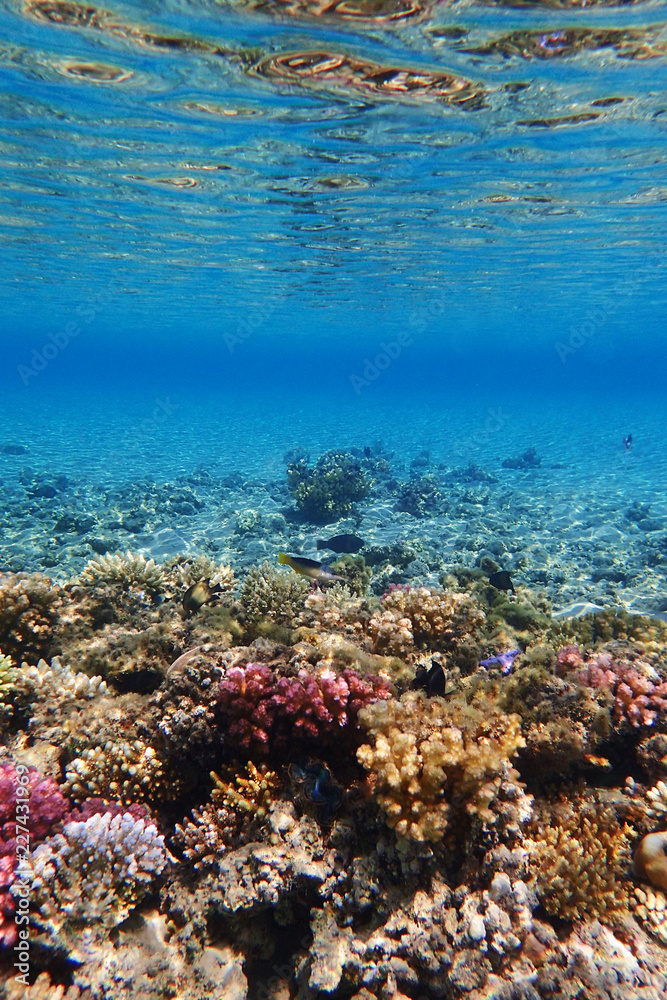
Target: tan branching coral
267 592
29 608
581 857
335 610
128 570
126 772
7 677
238 811
426 769
41 989
423 618
657 797
186 571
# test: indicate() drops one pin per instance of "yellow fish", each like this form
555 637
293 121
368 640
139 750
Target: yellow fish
308 567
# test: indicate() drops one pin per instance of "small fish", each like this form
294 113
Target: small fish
504 660
432 680
501 580
309 567
627 441
342 543
199 594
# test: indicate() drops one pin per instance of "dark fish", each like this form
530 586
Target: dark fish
501 580
199 594
342 543
627 441
308 567
432 681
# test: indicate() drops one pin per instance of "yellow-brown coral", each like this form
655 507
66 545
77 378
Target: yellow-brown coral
422 618
425 767
581 856
127 772
238 810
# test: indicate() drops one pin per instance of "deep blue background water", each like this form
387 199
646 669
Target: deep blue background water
181 227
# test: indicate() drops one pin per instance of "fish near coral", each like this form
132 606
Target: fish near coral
651 859
311 568
501 581
348 544
199 594
432 681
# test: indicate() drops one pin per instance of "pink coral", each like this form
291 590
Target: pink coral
264 709
640 694
46 808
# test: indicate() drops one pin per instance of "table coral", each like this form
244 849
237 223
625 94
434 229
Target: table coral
128 570
582 858
427 772
264 710
97 869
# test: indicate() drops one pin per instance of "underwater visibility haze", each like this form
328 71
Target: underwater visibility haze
333 517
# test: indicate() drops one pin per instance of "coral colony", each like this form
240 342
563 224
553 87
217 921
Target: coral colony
344 788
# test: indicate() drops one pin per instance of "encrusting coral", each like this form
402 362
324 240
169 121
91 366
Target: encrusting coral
582 857
427 771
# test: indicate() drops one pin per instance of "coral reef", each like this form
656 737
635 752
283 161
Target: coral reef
128 570
331 488
581 853
420 496
59 683
422 618
128 772
29 608
639 692
7 676
268 593
428 773
238 810
266 712
41 989
95 870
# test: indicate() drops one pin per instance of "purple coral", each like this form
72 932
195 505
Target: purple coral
639 693
46 806
264 710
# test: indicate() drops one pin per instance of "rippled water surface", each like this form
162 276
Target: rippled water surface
355 161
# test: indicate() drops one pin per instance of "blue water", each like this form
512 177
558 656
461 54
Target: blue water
447 233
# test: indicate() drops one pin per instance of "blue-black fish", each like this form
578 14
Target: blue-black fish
501 580
342 543
432 681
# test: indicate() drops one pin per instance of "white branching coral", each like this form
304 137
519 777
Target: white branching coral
129 570
97 869
130 772
59 681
